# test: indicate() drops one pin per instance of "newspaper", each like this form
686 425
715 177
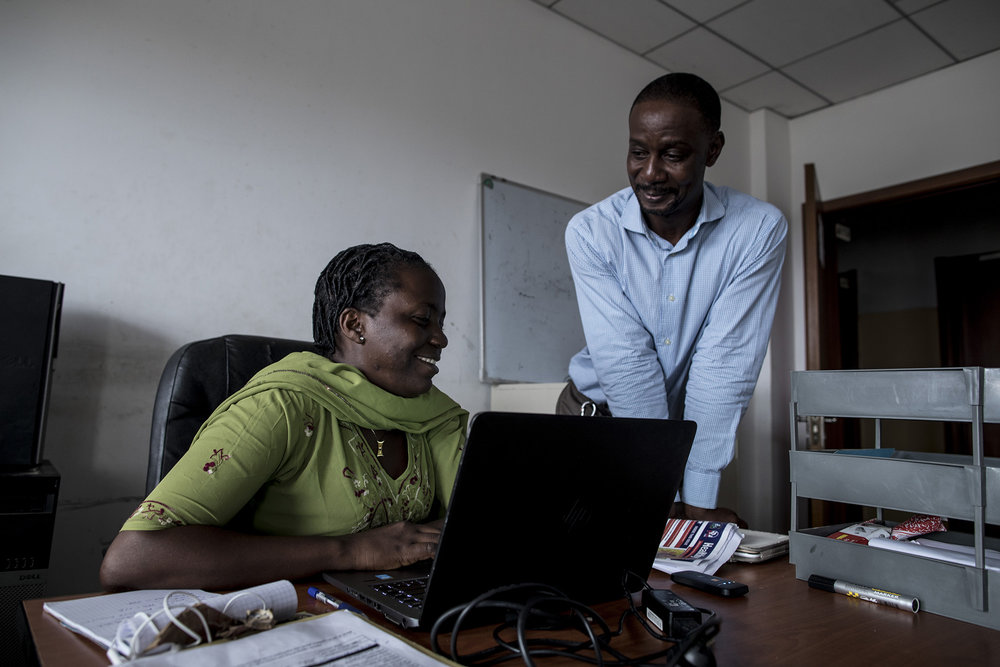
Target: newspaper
703 546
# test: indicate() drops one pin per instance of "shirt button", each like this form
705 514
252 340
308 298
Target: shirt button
671 298
666 341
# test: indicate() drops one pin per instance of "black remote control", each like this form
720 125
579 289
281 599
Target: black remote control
727 588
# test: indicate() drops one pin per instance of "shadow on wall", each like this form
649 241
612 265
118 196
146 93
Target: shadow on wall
97 437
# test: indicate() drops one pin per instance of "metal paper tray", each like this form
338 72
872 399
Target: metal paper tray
943 588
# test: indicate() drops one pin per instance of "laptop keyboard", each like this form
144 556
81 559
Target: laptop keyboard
409 592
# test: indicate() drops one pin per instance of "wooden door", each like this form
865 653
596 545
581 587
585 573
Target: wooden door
969 324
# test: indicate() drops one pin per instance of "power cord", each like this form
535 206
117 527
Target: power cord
531 609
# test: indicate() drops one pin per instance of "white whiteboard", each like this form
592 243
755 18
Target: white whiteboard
530 322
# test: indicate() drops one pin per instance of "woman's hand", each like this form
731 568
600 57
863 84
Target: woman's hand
396 545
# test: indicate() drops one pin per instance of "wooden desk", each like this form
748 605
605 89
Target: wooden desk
780 622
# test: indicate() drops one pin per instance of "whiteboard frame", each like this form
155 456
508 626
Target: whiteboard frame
566 338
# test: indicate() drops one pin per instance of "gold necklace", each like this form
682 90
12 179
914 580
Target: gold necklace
379 453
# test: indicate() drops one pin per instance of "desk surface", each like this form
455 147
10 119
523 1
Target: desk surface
780 622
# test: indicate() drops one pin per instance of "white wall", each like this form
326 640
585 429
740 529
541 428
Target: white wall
187 168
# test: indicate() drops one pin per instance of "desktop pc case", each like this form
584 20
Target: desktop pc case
29 332
29 486
28 500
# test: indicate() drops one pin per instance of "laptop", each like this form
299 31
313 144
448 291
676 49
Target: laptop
572 502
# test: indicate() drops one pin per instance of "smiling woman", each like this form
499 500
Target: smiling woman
322 461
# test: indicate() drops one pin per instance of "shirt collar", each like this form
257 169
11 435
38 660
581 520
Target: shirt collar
712 210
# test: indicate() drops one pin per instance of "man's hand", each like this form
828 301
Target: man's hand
723 514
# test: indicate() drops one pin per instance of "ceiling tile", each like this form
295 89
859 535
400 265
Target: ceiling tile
859 66
710 57
819 52
639 25
782 31
910 6
703 10
776 92
966 28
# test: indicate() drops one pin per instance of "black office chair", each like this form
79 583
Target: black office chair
196 379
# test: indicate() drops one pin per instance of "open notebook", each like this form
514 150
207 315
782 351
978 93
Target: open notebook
572 502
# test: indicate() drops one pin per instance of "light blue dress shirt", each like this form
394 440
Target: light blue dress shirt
678 331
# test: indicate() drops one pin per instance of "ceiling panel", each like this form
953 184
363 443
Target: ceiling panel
638 25
782 31
859 66
710 57
794 56
910 6
777 92
703 10
966 28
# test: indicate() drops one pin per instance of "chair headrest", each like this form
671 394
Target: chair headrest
195 380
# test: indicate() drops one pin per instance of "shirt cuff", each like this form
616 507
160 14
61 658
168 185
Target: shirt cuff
700 488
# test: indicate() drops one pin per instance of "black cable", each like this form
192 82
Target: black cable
549 609
483 601
576 608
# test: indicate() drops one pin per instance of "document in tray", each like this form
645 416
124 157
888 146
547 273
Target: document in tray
696 545
944 551
339 638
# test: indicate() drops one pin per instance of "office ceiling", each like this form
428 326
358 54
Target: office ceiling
794 56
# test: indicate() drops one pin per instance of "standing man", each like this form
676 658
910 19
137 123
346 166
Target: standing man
677 281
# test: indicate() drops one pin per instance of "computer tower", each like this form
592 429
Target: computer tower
28 498
29 334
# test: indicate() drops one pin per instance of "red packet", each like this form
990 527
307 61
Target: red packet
918 525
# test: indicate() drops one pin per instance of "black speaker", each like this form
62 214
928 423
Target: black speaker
28 500
29 334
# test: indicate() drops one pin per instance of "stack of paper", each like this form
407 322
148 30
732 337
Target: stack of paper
928 548
339 636
696 545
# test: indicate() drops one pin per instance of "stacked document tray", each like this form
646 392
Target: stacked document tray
952 486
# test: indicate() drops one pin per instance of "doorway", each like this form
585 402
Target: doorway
919 287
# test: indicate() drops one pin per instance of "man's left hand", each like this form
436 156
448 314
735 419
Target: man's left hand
722 514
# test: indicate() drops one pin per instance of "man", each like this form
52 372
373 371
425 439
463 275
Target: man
676 281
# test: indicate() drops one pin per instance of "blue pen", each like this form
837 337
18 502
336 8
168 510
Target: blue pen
332 601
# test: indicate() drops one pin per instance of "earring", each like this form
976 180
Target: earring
361 339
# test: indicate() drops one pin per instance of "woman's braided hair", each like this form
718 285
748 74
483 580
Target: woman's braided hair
358 277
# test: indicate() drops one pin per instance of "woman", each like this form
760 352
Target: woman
323 461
